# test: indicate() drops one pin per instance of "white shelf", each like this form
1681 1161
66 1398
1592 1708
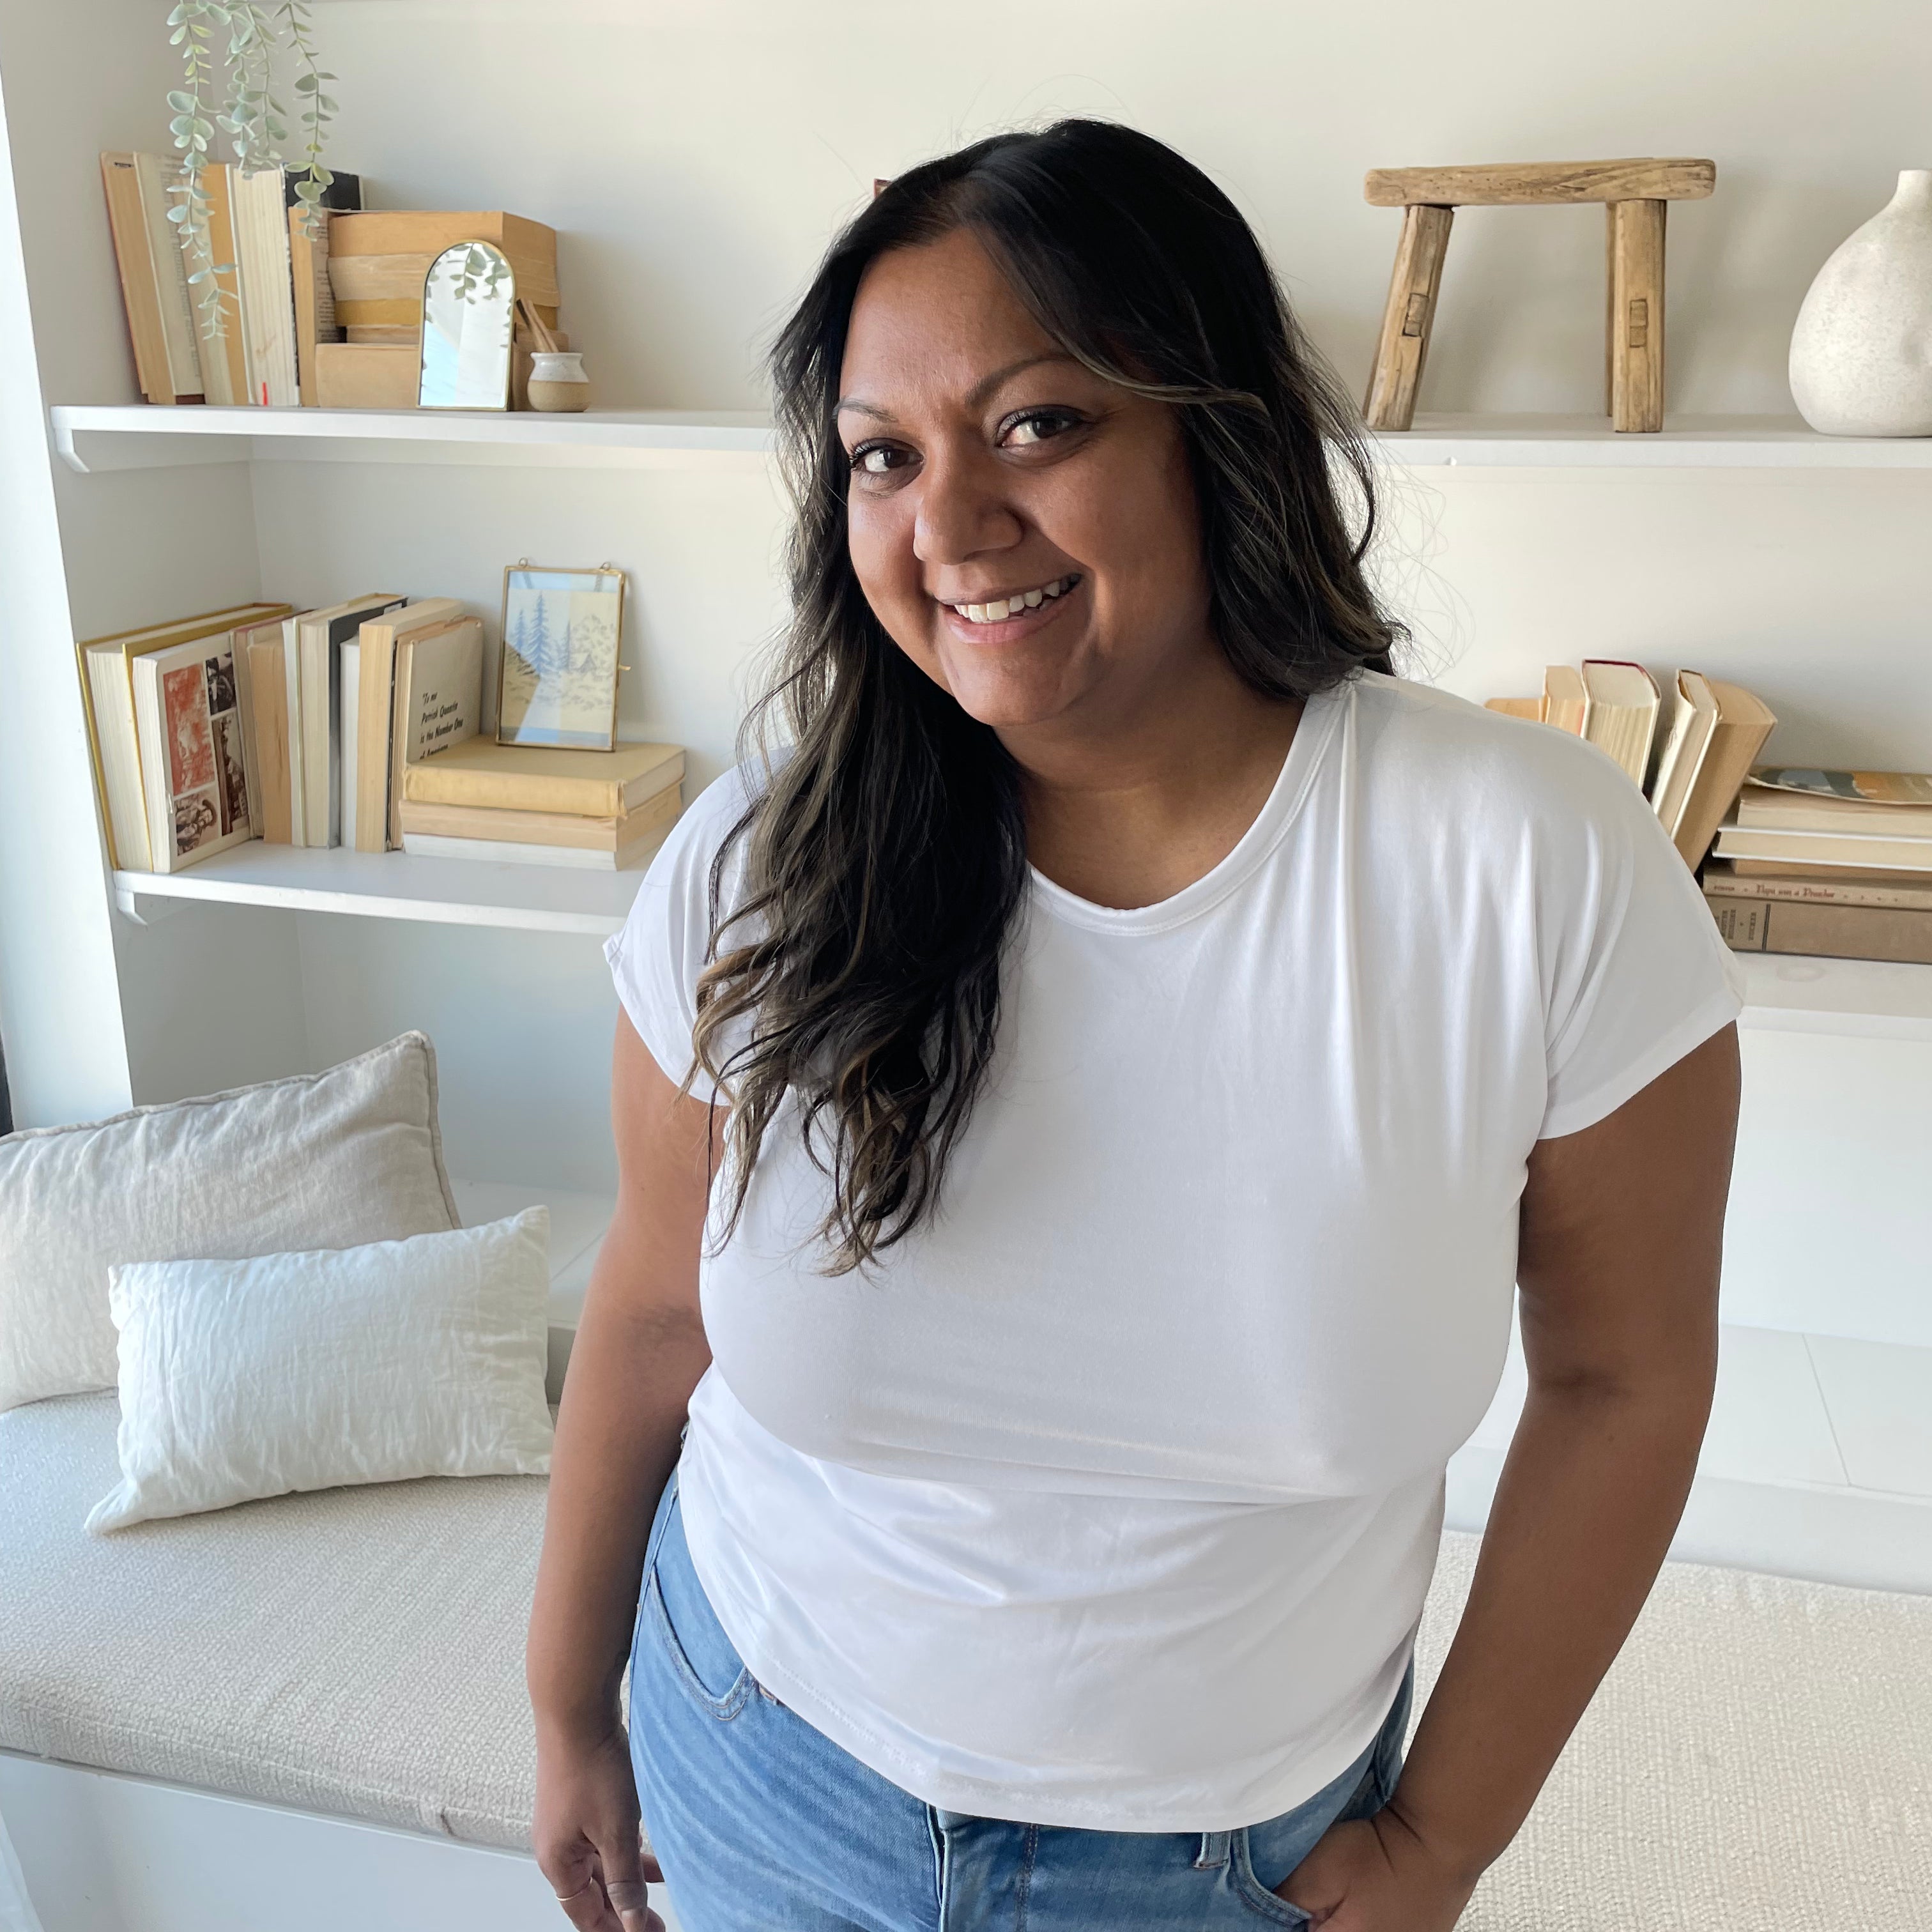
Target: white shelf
1685 442
141 436
392 885
1874 998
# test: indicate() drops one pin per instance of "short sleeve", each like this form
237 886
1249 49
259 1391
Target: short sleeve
1636 974
657 954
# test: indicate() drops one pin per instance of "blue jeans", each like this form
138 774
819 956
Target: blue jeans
763 1824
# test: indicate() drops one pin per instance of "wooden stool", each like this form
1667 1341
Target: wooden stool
1635 193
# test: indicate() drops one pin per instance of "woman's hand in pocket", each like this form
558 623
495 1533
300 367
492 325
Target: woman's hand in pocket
586 1833
1376 1874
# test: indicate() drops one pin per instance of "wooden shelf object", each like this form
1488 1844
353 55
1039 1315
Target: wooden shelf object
92 437
1636 194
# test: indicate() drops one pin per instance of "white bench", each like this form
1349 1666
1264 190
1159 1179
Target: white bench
309 1713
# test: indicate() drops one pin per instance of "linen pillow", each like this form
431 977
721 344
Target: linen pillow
318 1160
371 1364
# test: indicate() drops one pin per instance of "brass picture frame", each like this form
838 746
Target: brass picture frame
557 671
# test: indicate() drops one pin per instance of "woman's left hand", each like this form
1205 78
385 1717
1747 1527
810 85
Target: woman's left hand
1376 1875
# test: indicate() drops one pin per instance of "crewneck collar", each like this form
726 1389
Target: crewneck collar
1279 811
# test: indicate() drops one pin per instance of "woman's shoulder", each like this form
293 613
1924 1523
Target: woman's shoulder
1436 751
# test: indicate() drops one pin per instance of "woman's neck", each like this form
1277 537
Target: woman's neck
1127 811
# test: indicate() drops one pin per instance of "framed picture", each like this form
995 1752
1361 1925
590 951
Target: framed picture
556 681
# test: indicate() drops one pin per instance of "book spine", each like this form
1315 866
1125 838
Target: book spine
1740 923
272 739
1853 891
517 791
1848 932
140 295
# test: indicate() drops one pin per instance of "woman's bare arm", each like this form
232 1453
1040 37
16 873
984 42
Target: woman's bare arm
639 1352
1622 1228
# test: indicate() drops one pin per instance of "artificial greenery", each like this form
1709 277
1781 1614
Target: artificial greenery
249 113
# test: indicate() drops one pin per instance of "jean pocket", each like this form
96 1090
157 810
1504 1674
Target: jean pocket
1269 1906
712 1673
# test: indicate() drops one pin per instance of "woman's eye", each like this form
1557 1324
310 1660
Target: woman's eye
877 459
1038 426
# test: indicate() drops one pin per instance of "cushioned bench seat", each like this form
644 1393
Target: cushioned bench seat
353 1651
1760 1754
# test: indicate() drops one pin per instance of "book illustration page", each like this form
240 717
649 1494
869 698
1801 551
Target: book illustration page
192 792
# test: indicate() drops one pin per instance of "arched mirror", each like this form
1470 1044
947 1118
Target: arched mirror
469 297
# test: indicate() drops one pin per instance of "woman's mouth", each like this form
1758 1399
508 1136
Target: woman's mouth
1016 612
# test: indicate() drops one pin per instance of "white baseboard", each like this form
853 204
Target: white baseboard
102 1852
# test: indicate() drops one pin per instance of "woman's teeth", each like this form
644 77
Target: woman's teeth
1000 609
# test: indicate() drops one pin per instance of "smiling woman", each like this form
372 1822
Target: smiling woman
1090 1084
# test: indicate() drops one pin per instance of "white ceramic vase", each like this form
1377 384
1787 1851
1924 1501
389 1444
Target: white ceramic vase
1861 352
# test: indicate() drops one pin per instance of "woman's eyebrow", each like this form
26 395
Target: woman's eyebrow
976 397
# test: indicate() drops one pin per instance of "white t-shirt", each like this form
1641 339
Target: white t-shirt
1111 1497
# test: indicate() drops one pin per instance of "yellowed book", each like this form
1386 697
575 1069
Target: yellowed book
1566 699
437 705
1530 708
545 778
542 828
107 694
374 707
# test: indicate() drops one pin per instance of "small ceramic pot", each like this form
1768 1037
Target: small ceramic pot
1861 352
557 381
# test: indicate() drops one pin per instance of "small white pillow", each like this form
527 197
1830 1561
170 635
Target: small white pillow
423 1357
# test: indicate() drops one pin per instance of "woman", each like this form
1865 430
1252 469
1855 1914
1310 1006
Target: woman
1128 1045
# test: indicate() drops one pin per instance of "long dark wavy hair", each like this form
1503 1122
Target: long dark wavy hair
882 860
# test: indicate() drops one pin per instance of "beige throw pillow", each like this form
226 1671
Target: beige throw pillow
319 1160
371 1364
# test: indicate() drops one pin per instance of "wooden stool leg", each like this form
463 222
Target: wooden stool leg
1404 341
1636 314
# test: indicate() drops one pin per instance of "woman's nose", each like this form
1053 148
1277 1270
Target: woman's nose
963 510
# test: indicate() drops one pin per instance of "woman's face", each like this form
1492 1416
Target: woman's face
990 469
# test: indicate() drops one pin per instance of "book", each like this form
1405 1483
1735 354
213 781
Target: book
544 778
1515 707
375 703
1742 724
153 277
1687 741
1866 852
224 360
349 683
623 858
1895 806
107 694
437 705
188 719
500 825
1566 699
1620 715
1866 787
1836 875
262 645
316 321
262 263
1828 932
315 714
1905 891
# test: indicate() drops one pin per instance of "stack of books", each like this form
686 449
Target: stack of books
1689 761
1833 862
277 302
540 804
335 727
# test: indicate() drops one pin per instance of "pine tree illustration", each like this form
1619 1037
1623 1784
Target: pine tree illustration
540 650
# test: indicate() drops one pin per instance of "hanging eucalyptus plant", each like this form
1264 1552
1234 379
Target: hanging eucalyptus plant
242 74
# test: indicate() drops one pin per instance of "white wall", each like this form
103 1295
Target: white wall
694 159
695 156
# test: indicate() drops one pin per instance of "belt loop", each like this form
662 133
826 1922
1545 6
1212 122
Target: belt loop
1213 1850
